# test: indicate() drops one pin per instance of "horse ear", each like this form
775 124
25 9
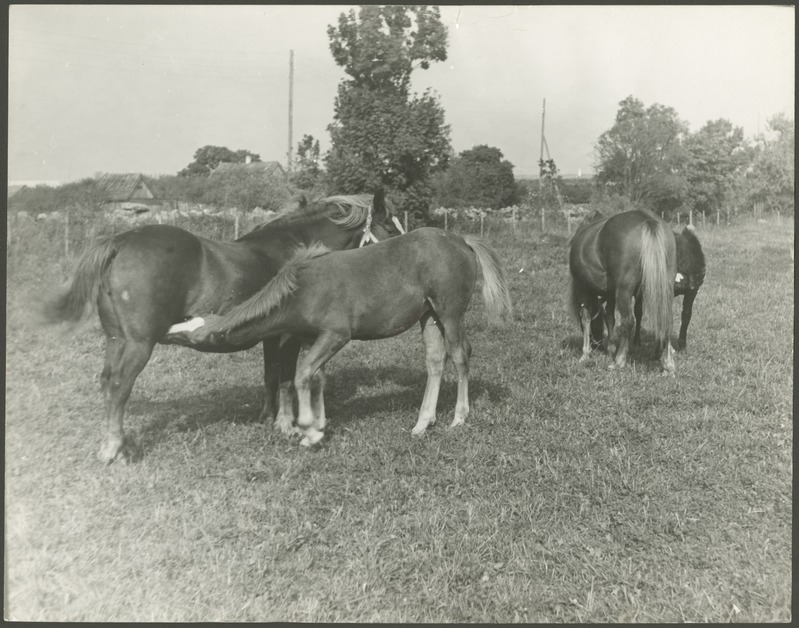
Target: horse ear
379 202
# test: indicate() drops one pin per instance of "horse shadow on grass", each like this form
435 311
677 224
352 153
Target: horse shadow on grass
347 399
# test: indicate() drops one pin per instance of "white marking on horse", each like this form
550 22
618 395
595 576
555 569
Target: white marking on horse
679 278
189 325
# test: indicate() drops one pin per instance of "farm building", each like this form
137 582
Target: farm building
265 168
123 187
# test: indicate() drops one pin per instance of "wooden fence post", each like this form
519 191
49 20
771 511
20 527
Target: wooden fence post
481 226
691 216
446 216
703 220
406 221
718 216
236 228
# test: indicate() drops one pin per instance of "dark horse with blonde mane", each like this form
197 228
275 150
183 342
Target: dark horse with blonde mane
151 278
614 260
327 299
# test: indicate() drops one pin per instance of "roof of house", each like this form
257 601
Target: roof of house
119 187
13 189
267 168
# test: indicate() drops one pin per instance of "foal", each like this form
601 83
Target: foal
379 291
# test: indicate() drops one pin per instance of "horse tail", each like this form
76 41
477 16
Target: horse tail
573 300
657 283
268 298
79 298
495 289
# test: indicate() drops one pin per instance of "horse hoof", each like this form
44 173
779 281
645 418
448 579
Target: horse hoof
311 438
286 428
419 431
110 451
457 422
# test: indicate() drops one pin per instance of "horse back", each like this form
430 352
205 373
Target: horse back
162 274
380 290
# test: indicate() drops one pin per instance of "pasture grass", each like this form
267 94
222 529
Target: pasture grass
572 494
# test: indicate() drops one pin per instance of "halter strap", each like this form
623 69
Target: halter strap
368 236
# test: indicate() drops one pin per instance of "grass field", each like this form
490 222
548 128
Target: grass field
573 494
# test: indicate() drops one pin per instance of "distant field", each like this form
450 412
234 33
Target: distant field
573 494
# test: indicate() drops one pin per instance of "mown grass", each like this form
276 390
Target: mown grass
573 494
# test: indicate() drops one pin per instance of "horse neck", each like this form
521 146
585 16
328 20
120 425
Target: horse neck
281 239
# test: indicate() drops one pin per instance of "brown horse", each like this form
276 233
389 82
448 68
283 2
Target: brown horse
613 260
146 280
427 275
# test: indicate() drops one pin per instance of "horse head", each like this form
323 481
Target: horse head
381 223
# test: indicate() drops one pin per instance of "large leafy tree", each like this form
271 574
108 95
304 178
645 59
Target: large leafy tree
478 177
381 133
716 157
770 179
209 157
642 156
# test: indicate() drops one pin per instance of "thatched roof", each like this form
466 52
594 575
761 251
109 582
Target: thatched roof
266 168
123 187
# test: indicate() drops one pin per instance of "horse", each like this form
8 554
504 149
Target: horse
148 279
613 260
690 277
329 298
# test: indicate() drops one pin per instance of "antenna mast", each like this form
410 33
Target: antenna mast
291 107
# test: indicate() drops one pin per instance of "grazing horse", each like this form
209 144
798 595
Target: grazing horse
690 277
427 275
612 260
150 278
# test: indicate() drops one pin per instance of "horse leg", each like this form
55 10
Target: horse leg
326 345
125 358
435 357
460 350
287 355
638 311
585 324
687 311
597 324
609 314
318 399
624 299
271 378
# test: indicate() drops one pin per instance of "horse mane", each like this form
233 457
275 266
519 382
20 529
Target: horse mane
283 284
347 211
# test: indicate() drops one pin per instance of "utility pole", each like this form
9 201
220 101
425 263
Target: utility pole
291 107
540 171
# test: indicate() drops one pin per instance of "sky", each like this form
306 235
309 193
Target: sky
139 88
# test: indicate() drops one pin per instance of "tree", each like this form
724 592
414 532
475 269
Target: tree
716 157
478 177
209 157
381 134
770 179
380 47
642 156
307 172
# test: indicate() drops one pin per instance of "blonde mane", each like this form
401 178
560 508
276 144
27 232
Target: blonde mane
283 284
